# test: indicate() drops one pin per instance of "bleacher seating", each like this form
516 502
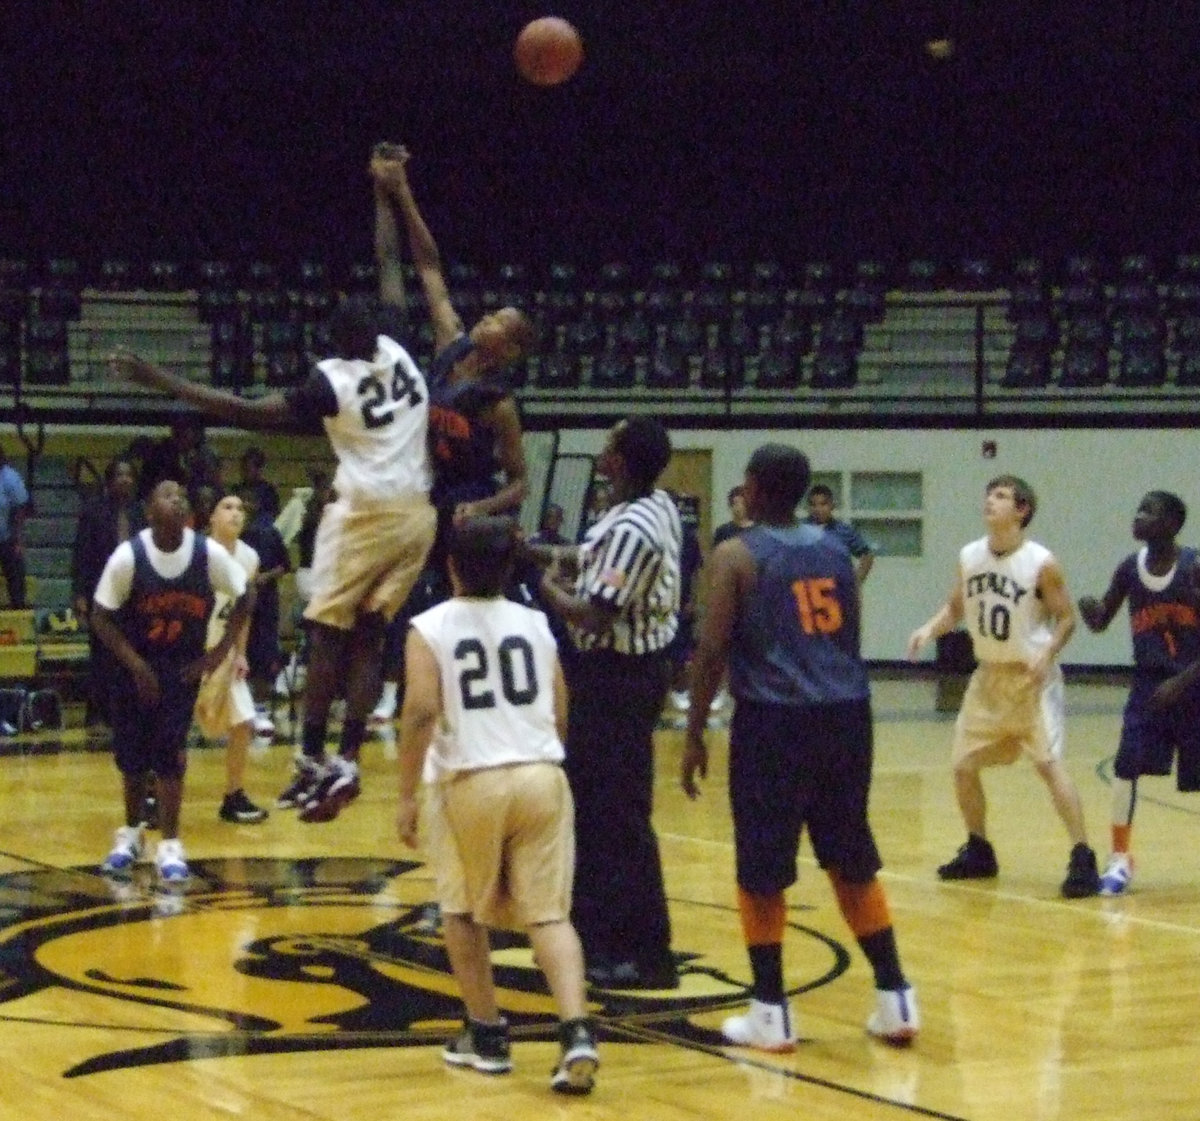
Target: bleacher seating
925 334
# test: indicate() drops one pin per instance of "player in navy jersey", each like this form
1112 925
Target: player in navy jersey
476 449
783 618
373 404
1162 713
151 610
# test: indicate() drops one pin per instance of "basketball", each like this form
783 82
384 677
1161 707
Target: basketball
548 51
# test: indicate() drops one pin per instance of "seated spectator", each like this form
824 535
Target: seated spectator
550 531
110 517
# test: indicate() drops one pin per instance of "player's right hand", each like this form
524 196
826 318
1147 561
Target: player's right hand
695 762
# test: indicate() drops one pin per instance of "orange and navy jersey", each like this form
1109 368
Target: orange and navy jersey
1163 615
166 619
462 444
796 641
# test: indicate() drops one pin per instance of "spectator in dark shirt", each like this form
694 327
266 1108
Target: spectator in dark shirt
739 520
254 487
550 531
14 502
820 512
185 456
110 517
263 653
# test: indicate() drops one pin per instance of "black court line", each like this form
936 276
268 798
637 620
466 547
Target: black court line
637 1027
650 1035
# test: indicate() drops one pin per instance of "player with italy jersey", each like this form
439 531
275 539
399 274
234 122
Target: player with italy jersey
1011 595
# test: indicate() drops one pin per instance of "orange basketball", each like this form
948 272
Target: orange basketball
548 51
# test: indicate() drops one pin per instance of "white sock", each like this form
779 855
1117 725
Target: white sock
387 699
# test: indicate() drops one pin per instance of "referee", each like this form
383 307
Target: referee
622 615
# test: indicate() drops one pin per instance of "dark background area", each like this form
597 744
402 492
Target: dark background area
695 129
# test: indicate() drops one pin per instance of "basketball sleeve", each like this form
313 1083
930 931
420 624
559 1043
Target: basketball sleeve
116 581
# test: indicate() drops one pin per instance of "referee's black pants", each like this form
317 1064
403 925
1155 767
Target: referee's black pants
620 903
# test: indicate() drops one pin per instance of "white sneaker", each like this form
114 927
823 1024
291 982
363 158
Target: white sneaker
895 1019
172 866
1117 875
768 1027
681 700
263 724
128 844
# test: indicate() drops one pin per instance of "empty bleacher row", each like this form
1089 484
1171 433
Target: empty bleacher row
921 336
1135 333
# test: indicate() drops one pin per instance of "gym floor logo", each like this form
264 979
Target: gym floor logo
298 955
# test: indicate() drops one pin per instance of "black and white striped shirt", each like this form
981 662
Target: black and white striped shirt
630 559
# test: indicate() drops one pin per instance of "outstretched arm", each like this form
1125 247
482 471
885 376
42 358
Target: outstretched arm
447 326
258 412
387 233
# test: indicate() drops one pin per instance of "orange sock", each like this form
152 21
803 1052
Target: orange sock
863 906
1120 837
763 917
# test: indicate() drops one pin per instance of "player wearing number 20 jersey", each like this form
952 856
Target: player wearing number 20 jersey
499 813
497 661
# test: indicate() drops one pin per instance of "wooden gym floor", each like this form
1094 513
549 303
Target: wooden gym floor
292 978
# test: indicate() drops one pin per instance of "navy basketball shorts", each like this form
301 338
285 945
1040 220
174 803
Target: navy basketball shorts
152 739
1150 739
793 768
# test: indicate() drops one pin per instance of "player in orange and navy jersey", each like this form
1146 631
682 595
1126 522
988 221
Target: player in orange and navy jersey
1162 714
783 615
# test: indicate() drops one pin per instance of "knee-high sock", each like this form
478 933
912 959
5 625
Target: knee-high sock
763 921
865 909
1124 803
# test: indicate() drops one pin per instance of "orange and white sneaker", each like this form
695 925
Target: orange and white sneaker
766 1027
895 1019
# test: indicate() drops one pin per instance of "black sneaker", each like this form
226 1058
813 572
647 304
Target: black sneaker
305 780
483 1047
976 860
1083 877
238 808
576 1070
